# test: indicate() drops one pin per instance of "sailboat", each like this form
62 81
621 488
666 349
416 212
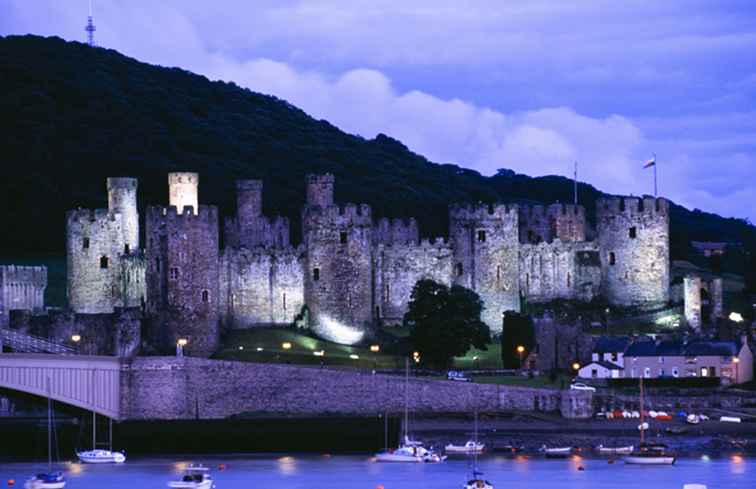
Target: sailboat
477 481
101 456
410 450
49 479
648 453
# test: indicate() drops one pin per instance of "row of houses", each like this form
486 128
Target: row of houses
617 357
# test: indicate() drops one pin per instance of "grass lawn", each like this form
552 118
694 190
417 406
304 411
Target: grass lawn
475 359
266 345
542 382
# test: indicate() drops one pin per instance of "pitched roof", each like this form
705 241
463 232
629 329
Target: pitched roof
677 348
605 364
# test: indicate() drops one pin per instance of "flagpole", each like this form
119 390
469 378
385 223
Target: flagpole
576 187
656 188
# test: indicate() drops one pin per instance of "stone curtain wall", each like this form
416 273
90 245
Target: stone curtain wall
188 388
559 270
21 288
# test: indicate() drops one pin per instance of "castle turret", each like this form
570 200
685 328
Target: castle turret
338 263
21 288
633 238
486 257
122 199
320 190
250 228
182 190
183 277
692 301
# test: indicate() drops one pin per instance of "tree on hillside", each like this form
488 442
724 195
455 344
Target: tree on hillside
444 322
517 331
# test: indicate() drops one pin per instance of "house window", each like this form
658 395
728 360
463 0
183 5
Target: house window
661 372
615 357
482 236
675 372
386 293
594 373
704 372
661 359
612 258
174 273
647 372
459 270
316 274
713 371
633 232
206 296
85 243
103 262
126 249
343 237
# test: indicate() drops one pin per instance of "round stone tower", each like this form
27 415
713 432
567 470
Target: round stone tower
692 300
320 190
338 264
248 200
486 257
633 237
182 191
122 199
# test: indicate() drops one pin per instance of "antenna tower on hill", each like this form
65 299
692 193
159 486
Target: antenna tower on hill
90 27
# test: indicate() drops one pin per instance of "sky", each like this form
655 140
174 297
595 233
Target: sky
529 85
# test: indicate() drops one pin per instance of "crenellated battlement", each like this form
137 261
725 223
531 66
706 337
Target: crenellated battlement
30 275
360 214
632 206
481 212
89 216
124 183
566 211
169 214
389 231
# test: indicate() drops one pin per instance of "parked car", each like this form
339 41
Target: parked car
579 386
458 376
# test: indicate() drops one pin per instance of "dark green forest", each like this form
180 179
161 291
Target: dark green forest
72 115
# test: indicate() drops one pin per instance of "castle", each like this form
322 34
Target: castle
350 271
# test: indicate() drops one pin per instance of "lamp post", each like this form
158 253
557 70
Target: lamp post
76 338
180 344
736 362
575 366
520 351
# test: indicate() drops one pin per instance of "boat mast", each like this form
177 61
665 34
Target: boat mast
642 418
49 427
94 430
406 399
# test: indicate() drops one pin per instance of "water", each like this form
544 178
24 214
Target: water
355 472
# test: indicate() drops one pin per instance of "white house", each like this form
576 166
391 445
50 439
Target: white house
600 370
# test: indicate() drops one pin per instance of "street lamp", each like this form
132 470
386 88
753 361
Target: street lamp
76 338
416 356
520 351
375 348
576 366
180 344
286 345
736 317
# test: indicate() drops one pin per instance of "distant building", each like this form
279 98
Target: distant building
600 370
611 349
731 361
710 248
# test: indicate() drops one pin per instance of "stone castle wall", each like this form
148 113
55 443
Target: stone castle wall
633 236
189 388
261 286
21 288
250 228
560 270
486 257
399 267
183 277
565 222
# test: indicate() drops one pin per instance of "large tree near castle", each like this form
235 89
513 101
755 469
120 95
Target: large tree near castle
444 322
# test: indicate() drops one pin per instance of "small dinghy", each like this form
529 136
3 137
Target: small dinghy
615 450
478 482
101 457
468 448
561 452
54 480
194 477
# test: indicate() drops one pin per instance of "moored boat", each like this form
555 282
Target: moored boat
477 482
101 457
468 448
411 454
615 450
194 477
648 453
50 480
559 452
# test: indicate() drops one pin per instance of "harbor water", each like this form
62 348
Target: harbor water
360 471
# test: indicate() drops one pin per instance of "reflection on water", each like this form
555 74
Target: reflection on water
329 472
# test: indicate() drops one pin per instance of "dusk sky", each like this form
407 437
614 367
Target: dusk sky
528 85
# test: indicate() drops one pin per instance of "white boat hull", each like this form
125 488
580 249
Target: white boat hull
208 484
640 460
390 457
101 457
616 451
463 450
38 484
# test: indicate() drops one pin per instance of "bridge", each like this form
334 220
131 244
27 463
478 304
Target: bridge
91 383
26 343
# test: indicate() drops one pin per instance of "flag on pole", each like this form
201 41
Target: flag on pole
650 163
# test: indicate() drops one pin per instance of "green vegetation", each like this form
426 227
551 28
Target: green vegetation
65 129
244 345
543 381
517 339
444 322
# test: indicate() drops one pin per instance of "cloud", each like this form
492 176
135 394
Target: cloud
532 86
